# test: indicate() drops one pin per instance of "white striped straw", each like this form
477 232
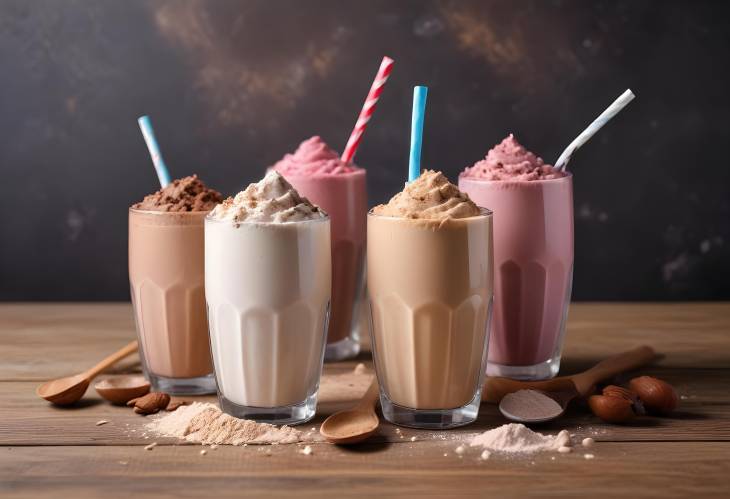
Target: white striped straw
597 124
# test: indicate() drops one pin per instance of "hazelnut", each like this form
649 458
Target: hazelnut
658 396
620 392
625 393
611 409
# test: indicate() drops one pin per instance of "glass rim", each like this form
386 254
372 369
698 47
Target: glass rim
568 175
483 213
191 214
325 218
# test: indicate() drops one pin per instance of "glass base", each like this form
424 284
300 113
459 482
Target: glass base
288 415
430 419
341 350
183 386
544 370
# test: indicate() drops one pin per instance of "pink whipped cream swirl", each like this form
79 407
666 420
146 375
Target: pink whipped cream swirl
313 157
510 161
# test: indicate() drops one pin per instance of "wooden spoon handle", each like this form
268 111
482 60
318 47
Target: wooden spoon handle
612 366
371 396
112 359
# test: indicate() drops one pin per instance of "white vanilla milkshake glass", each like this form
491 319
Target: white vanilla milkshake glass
267 282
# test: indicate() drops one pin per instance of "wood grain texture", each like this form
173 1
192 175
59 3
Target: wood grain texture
47 451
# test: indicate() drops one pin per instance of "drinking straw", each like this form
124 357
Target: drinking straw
149 137
597 124
367 109
419 110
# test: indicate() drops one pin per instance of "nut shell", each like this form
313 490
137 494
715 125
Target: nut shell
611 409
658 396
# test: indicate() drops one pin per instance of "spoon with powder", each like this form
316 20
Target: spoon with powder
541 401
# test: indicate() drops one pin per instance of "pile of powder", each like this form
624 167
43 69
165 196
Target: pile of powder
207 424
183 194
519 439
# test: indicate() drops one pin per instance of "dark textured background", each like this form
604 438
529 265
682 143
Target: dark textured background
233 85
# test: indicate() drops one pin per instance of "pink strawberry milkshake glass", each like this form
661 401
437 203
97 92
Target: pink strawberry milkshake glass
532 204
317 173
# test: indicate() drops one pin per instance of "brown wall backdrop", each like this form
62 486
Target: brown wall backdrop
233 85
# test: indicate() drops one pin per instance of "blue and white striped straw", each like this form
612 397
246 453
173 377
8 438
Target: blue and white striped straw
419 110
597 124
149 137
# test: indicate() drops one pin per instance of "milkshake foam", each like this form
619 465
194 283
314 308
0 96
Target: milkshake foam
313 157
430 197
272 199
510 161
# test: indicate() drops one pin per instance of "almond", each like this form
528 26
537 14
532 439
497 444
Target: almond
150 403
175 403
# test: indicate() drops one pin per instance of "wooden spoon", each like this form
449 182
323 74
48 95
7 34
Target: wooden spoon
563 390
65 391
121 389
356 424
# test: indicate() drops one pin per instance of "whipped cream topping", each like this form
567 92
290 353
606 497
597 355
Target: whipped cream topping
272 199
510 161
313 157
430 197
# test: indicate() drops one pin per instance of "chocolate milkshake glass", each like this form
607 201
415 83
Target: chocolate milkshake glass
316 172
533 255
167 286
267 283
430 288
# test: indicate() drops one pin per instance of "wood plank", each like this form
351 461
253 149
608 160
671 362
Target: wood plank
703 415
619 469
42 341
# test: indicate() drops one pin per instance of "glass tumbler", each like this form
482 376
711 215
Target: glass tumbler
268 291
430 289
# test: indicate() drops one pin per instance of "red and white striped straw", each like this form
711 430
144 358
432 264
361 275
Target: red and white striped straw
367 109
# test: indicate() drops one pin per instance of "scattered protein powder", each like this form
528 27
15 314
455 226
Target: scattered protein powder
207 424
519 439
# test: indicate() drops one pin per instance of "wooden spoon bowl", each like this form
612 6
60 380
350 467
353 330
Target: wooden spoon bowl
356 424
64 391
121 389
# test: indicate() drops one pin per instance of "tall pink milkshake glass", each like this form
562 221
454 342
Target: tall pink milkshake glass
340 189
533 257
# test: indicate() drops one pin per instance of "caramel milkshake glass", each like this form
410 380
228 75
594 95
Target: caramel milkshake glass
167 287
430 289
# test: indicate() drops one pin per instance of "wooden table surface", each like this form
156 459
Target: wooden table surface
49 451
